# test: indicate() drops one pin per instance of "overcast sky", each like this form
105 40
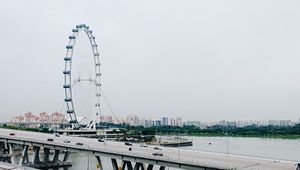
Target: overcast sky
201 60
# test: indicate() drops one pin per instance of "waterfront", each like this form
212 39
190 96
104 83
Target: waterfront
281 149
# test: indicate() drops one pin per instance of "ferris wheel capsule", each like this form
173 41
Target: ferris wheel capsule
70 111
66 72
67 59
68 99
71 37
67 86
69 47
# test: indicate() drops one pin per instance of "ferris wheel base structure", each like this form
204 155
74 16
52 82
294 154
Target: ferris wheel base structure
91 133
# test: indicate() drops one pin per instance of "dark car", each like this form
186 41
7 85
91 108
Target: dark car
67 141
130 149
128 143
100 140
157 154
157 148
79 143
12 134
50 139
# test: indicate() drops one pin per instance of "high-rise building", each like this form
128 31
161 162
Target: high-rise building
178 121
164 121
148 123
157 123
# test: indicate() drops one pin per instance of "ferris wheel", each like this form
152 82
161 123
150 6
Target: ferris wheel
93 79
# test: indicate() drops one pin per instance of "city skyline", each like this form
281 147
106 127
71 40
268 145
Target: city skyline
197 60
135 120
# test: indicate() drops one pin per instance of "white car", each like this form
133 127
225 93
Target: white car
143 145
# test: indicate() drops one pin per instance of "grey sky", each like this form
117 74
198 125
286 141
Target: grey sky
204 60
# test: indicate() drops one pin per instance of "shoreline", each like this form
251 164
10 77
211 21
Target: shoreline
291 137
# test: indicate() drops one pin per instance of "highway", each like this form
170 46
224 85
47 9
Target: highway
171 155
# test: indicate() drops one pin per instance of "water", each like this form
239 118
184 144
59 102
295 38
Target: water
282 149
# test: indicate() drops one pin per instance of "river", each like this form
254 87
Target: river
282 149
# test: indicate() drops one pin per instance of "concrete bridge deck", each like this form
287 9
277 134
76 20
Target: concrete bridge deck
185 159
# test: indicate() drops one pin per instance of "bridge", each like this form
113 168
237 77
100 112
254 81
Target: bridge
139 158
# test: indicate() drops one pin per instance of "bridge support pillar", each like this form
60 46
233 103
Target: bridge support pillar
99 163
46 155
139 166
162 168
114 164
66 156
36 155
24 157
127 164
150 167
12 154
56 156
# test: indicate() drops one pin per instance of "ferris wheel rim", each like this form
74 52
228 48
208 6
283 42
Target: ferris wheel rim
68 70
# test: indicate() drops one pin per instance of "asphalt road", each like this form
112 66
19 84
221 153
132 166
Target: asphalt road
206 159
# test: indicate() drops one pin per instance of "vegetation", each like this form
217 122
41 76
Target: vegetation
283 132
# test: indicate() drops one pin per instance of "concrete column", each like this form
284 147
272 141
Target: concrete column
24 157
2 147
56 156
5 145
12 154
36 155
139 166
162 168
46 155
99 163
114 164
150 167
127 164
66 156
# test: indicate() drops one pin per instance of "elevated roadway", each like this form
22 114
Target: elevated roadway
179 158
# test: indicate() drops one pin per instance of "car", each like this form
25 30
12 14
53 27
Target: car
50 139
130 149
12 134
157 154
79 143
57 134
128 143
157 148
100 140
67 141
143 145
